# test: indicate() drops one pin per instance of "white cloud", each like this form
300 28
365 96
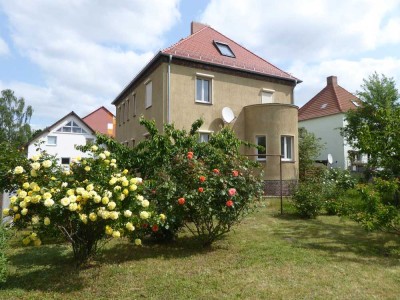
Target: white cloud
87 50
308 30
350 74
4 50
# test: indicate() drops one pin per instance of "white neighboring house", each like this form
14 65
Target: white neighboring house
324 115
61 138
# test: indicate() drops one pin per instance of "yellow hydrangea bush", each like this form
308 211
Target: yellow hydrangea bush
90 202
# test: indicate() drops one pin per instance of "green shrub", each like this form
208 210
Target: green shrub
88 204
308 199
4 234
217 184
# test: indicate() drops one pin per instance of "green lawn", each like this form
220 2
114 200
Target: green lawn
267 257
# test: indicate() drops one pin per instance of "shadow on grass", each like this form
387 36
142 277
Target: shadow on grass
46 268
340 238
180 248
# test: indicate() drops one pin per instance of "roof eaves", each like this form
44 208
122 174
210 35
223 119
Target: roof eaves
153 60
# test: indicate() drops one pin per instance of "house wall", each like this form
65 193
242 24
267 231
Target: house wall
101 121
328 129
227 91
128 129
66 142
273 121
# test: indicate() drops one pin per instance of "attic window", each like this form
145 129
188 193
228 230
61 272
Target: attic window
224 49
355 103
324 105
71 127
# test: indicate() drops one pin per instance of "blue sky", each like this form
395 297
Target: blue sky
79 54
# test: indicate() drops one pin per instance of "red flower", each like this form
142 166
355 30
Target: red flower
201 190
189 155
153 191
181 201
229 203
235 173
154 228
202 178
145 225
232 192
216 171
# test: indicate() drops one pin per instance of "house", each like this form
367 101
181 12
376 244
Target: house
204 74
102 121
324 115
61 138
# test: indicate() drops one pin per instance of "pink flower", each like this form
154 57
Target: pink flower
190 155
232 192
201 190
216 171
235 173
181 201
202 178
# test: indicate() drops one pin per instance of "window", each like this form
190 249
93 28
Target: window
127 109
287 147
355 103
224 49
149 94
203 90
266 97
72 127
134 104
133 142
51 140
204 137
123 113
261 140
119 115
65 160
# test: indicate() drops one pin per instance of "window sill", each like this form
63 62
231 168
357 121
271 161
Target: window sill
203 102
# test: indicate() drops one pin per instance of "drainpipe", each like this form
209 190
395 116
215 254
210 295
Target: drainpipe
295 84
169 88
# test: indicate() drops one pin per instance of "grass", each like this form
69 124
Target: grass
268 256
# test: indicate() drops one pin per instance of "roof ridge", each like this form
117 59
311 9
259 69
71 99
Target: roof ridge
185 39
337 98
252 53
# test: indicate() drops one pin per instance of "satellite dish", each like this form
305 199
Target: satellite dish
227 115
330 159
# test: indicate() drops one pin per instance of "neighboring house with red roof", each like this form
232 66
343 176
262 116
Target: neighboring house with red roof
324 115
61 138
101 120
201 75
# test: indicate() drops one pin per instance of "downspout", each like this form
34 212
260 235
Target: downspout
169 88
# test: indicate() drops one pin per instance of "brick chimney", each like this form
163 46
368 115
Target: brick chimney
331 80
195 26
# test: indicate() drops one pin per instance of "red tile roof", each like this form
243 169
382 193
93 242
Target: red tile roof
199 46
331 100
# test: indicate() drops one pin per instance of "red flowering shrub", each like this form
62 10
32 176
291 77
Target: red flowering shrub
205 187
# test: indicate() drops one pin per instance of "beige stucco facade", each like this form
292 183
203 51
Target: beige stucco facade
174 99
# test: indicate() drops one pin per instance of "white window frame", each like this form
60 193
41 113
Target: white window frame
149 93
51 144
204 133
284 149
209 78
262 158
270 92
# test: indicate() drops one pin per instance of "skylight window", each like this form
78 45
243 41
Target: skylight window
224 49
324 105
355 103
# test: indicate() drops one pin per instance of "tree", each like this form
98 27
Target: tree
309 149
14 119
373 127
